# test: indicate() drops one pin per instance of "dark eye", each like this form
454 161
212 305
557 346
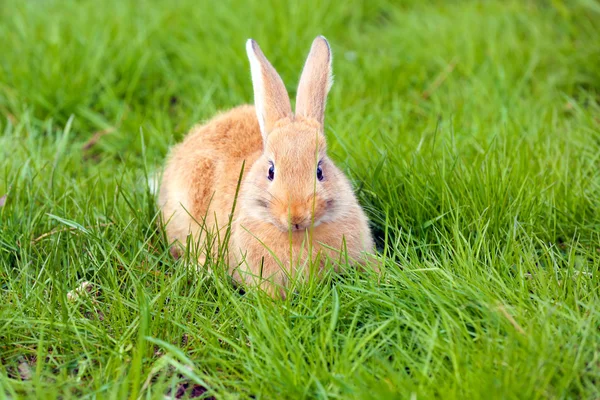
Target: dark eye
271 171
319 173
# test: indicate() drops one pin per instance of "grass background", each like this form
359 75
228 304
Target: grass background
470 130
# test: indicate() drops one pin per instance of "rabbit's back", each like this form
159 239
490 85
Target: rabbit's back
202 173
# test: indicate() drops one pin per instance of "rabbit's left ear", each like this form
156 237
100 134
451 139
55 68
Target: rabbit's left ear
271 100
315 82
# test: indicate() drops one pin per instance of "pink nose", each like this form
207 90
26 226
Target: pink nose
294 221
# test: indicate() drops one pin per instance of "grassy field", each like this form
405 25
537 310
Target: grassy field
470 131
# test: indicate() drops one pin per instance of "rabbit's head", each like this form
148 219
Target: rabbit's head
294 184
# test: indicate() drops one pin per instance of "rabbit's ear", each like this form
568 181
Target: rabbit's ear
271 100
315 82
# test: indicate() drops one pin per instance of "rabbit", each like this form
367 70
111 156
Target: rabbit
292 201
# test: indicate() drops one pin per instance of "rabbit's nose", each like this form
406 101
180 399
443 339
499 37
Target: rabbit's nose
293 222
295 213
295 217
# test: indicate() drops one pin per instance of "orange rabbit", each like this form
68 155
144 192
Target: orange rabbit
292 201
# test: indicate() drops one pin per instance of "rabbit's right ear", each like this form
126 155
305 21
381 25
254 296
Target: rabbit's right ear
315 81
271 99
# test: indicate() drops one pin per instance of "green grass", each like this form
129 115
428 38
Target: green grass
470 130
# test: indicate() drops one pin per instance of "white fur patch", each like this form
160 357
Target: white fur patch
258 84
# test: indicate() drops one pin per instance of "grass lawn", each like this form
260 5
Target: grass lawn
471 131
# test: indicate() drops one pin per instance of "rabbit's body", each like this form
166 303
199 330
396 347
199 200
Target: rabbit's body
293 201
202 174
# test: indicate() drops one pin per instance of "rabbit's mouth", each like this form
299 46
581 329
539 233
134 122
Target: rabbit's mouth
296 226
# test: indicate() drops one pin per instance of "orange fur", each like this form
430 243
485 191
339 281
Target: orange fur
201 175
279 225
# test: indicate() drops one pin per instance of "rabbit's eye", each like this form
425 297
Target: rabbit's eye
271 171
319 173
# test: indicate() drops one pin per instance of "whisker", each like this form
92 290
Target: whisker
267 192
